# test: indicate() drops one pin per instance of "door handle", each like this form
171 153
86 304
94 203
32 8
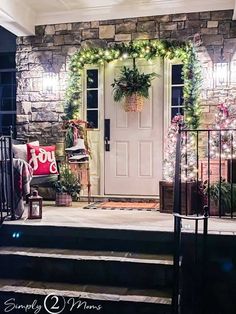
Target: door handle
107 135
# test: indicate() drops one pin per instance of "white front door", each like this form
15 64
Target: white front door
133 166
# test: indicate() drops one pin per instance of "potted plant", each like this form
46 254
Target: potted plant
132 86
67 187
219 190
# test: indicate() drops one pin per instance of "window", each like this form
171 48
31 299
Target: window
92 98
177 85
7 91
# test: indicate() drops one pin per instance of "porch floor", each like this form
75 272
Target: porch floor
77 216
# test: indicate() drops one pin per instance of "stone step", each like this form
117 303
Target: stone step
84 298
87 267
86 238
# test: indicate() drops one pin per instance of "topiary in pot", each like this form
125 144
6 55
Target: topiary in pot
67 187
132 86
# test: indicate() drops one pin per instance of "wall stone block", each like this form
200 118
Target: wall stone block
145 18
232 32
163 18
195 24
205 15
69 38
212 24
40 57
224 27
48 39
106 31
61 27
123 37
185 34
165 34
193 16
179 17
69 50
80 26
126 28
28 40
209 31
22 67
145 35
50 30
19 41
147 26
112 22
212 40
40 126
90 33
23 108
92 43
24 48
94 24
22 119
59 40
44 116
22 97
168 26
40 30
222 15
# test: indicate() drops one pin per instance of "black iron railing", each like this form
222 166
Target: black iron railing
199 212
199 265
206 162
6 177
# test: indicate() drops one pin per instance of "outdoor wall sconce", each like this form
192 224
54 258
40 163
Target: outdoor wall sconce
50 82
221 71
35 206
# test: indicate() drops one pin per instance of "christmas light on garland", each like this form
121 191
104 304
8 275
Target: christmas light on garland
147 49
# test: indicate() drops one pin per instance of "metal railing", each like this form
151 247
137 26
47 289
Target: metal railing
6 177
200 261
206 163
196 215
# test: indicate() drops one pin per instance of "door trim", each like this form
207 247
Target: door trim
165 106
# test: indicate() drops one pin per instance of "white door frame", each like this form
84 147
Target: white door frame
166 113
165 117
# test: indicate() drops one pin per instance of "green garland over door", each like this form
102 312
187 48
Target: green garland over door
147 49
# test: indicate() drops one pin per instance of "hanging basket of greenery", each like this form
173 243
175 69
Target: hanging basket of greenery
134 103
133 87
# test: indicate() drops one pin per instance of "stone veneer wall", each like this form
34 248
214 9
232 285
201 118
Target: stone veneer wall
38 114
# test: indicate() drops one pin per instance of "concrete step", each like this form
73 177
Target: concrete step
87 267
84 298
86 238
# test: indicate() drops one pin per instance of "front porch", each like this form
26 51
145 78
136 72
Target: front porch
77 216
120 260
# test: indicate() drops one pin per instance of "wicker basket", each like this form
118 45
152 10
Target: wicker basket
63 199
133 103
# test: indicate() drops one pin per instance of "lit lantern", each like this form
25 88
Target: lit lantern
35 206
50 82
221 71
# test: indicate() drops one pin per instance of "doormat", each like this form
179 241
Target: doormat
149 206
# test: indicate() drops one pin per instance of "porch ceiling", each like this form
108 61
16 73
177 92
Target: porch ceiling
20 16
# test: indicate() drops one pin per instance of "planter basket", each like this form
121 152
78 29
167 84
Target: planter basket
63 199
133 103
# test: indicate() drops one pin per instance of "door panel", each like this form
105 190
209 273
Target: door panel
133 166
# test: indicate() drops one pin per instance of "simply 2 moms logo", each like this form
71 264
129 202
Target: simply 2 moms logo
52 304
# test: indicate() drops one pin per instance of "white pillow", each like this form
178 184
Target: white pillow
20 150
